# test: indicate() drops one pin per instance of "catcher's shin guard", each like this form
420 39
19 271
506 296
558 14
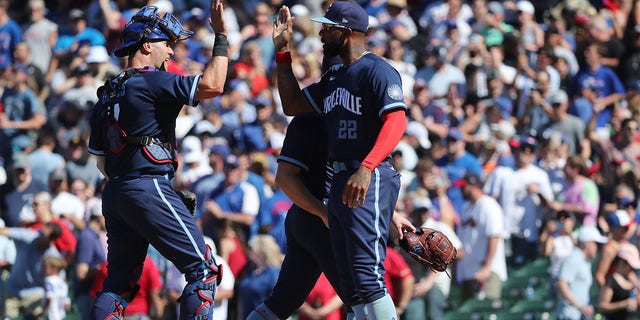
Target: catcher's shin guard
108 306
196 301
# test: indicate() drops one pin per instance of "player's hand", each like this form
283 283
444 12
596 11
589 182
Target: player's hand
216 20
282 29
355 190
398 223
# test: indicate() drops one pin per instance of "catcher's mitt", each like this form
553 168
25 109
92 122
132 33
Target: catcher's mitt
429 247
189 200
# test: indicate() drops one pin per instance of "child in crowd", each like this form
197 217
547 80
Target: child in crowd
56 301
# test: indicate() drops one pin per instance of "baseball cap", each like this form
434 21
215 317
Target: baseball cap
397 3
21 161
195 14
346 14
495 7
451 24
81 69
619 219
469 178
21 67
454 134
231 161
58 175
559 98
191 149
526 142
493 37
419 131
526 7
590 233
629 253
299 10
76 14
96 210
164 6
97 54
421 203
220 149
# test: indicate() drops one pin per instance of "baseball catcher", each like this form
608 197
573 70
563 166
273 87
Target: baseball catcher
430 247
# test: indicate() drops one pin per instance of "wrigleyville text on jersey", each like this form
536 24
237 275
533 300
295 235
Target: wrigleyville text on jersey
342 97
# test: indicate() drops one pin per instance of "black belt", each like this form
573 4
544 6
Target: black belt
141 173
339 166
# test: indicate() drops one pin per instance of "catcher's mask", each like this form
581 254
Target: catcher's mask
147 24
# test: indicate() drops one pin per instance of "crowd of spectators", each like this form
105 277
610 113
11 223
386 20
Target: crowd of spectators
522 142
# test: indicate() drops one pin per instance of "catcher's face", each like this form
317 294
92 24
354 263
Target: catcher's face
161 53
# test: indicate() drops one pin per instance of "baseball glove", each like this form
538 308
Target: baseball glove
429 247
189 200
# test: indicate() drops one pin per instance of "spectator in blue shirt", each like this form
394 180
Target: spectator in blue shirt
10 35
81 35
596 86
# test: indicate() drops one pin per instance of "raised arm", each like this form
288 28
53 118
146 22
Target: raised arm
212 82
293 100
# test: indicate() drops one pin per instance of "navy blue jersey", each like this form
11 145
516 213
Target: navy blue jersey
308 150
148 105
354 97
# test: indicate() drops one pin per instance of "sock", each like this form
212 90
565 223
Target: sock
381 309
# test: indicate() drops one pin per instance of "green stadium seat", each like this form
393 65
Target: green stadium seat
537 306
538 267
459 315
484 305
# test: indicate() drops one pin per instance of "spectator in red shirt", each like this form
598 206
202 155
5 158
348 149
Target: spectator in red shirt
398 279
67 242
322 303
251 68
147 303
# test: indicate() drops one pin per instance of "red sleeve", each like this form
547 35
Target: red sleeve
394 124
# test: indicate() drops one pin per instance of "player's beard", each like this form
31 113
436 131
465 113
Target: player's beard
333 49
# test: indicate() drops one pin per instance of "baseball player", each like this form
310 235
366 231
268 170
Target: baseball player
133 136
364 110
302 174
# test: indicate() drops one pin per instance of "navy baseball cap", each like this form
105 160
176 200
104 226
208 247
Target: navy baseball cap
454 134
469 178
619 219
147 24
346 14
231 162
220 149
525 143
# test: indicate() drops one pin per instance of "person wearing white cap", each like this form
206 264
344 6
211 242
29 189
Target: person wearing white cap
619 295
532 36
575 278
195 161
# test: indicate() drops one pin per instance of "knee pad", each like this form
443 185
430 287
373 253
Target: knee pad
108 306
196 301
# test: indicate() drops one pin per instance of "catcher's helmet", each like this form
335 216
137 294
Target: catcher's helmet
145 25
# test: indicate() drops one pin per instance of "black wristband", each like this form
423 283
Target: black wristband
220 46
